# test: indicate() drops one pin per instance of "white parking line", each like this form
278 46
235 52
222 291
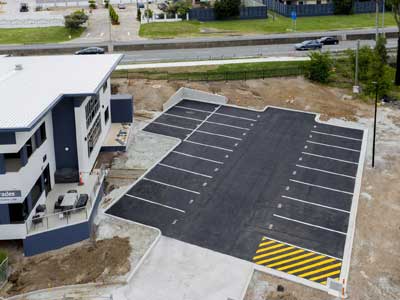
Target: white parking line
221 135
184 170
171 185
199 157
336 135
195 109
320 186
324 171
129 33
316 204
333 146
308 224
88 34
156 203
183 117
174 126
328 157
101 34
227 125
217 113
206 145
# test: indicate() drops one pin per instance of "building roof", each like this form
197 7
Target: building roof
26 95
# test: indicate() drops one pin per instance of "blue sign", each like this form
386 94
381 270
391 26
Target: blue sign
294 15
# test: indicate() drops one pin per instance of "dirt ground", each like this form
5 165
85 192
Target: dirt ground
375 263
81 263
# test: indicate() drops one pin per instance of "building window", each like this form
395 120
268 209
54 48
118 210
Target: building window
41 135
91 109
94 135
36 191
105 85
106 115
30 146
19 212
12 162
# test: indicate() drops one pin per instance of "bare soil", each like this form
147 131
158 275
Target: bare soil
375 263
292 92
84 262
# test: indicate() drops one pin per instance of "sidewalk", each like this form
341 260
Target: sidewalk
210 62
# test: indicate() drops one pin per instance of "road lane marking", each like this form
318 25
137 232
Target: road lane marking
217 113
316 204
156 203
332 146
325 275
273 252
171 185
196 109
328 157
336 135
321 187
199 157
259 250
264 261
303 262
184 170
206 145
309 224
325 171
320 263
319 271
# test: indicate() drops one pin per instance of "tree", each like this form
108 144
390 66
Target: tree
92 4
139 15
380 49
319 68
106 3
365 57
181 8
227 9
396 13
75 20
343 7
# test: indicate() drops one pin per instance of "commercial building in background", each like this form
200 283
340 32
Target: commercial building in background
55 118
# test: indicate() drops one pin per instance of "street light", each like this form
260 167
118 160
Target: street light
376 108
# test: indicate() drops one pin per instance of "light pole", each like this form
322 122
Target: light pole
376 109
376 20
383 18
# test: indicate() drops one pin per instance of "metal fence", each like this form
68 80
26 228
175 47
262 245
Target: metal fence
3 272
210 75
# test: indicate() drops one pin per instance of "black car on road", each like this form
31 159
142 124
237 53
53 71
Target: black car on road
328 40
308 45
90 50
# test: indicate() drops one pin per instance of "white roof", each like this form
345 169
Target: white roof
27 94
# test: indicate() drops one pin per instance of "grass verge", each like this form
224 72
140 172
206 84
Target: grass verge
54 34
280 25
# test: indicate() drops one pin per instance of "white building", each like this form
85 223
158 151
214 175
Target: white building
55 113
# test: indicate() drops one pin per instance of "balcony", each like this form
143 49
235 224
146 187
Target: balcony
52 219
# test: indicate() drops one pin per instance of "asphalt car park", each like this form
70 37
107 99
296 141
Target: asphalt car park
273 187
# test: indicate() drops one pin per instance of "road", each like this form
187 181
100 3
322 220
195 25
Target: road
234 52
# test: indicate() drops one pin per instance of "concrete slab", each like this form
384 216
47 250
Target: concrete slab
180 271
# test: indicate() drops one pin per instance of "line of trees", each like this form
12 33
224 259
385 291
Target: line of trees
113 15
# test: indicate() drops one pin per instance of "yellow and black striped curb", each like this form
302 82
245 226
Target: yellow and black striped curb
297 261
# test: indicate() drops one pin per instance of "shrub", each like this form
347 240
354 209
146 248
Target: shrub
180 7
139 15
92 4
319 68
3 255
148 13
343 7
106 3
380 49
226 9
75 20
365 56
113 15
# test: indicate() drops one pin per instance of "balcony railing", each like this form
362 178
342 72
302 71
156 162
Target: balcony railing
68 217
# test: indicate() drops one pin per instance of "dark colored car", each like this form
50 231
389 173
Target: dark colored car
140 4
90 50
23 7
328 40
162 6
308 45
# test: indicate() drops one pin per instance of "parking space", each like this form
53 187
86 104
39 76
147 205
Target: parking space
241 178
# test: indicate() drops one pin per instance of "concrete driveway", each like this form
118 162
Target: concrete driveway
179 271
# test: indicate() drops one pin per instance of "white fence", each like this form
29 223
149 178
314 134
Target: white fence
31 21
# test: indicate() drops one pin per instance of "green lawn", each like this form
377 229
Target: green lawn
280 25
37 35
